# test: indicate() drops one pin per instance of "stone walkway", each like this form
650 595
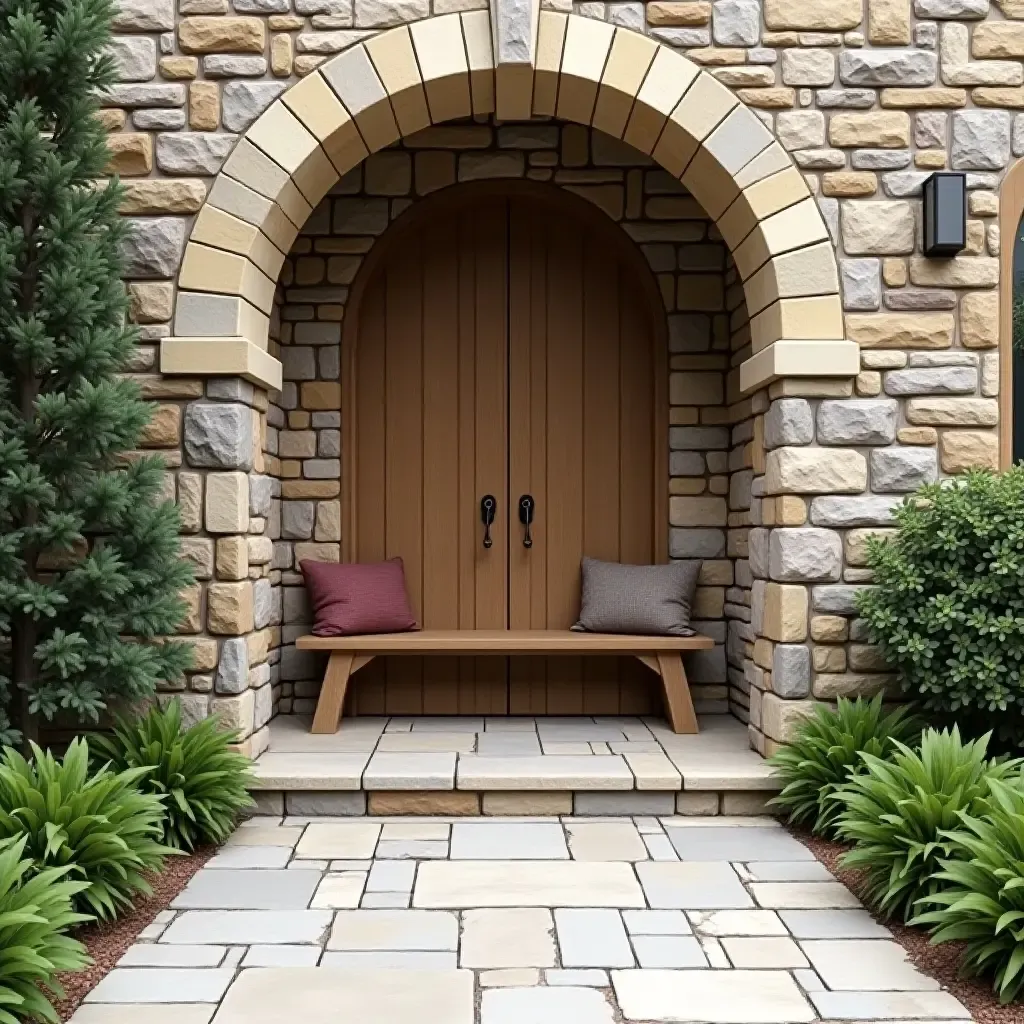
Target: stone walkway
514 921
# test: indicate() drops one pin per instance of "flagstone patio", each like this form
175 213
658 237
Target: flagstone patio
515 921
606 765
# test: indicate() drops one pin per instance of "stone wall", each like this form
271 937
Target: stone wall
868 98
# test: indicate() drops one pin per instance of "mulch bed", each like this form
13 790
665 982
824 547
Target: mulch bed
106 942
939 962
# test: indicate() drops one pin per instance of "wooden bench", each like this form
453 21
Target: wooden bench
661 654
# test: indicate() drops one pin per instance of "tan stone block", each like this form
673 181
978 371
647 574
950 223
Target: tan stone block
819 317
849 183
930 159
829 659
704 511
221 35
815 471
909 99
235 713
179 68
709 603
901 330
229 610
979 320
227 502
958 272
868 383
997 39
889 22
781 718
777 98
192 621
829 15
282 55
232 558
982 204
297 444
785 613
310 488
953 412
697 803
790 510
258 644
319 552
168 387
434 169
163 429
961 450
207 269
441 53
883 129
918 435
205 654
678 12
669 77
227 357
328 521
317 395
894 272
830 629
828 686
759 201
796 226
527 803
856 544
190 502
112 119
204 106
131 153
150 302
809 271
997 96
198 552
163 195
878 227
449 803
695 388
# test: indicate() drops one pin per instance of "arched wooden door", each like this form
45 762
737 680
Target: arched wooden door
504 344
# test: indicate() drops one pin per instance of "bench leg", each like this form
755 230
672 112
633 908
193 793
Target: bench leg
332 693
678 702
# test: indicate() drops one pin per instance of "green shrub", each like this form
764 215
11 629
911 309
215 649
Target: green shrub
948 610
826 748
898 810
99 826
35 911
983 900
204 783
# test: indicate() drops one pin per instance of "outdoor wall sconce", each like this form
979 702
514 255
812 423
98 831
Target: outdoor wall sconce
945 213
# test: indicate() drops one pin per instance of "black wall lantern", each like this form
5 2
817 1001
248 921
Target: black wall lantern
945 213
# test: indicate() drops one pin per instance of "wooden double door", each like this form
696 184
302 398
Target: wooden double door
503 345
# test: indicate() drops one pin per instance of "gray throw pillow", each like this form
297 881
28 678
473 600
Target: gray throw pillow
649 600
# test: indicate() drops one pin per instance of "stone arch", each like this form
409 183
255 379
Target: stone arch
453 66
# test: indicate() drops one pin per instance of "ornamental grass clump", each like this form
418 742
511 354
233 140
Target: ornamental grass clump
948 608
899 813
97 827
827 748
982 901
203 781
35 913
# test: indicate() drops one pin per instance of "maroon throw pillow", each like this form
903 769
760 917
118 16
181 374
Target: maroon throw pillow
353 598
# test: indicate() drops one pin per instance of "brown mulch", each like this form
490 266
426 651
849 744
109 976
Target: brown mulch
107 942
939 962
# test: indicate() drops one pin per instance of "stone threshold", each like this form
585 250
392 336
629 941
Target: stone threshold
314 803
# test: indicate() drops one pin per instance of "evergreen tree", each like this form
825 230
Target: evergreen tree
89 553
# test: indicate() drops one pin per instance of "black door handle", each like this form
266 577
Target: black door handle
488 508
526 509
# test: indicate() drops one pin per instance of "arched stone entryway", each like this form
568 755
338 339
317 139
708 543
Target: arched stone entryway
448 67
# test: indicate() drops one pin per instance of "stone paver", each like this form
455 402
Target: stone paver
407 771
545 1006
318 995
512 937
692 885
554 772
726 997
548 919
248 890
507 841
592 938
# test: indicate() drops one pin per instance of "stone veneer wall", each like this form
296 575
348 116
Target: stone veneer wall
869 96
682 248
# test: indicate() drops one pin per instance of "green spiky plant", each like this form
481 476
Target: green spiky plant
97 826
203 781
35 912
899 813
982 902
89 550
827 748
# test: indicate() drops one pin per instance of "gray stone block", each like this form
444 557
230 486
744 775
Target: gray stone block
243 102
297 518
152 246
696 543
839 599
951 9
981 140
218 435
902 470
737 843
244 927
233 667
952 380
229 889
263 604
845 513
628 802
804 555
737 22
698 439
326 804
686 464
758 552
862 286
592 937
857 421
887 67
261 491
791 678
192 152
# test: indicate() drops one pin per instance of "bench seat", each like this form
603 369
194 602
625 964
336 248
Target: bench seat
661 654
